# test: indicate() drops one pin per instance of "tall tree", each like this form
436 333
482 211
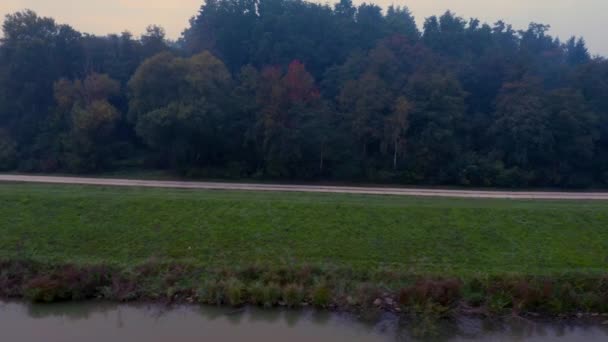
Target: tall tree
575 131
153 41
396 126
178 106
35 52
435 125
91 121
401 21
287 101
521 127
577 52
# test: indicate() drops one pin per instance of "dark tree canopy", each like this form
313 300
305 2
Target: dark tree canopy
289 89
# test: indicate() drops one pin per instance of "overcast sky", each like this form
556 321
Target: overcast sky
567 17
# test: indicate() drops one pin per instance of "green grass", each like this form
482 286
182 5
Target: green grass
75 224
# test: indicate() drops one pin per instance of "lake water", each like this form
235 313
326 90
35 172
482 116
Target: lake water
92 322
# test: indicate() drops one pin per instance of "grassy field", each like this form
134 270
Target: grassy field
65 224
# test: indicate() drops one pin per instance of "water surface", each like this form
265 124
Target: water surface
103 322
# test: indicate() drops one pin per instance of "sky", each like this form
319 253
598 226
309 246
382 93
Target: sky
566 17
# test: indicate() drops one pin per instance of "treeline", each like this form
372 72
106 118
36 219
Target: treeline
287 89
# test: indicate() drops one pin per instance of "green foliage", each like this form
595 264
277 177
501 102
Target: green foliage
91 120
298 90
178 106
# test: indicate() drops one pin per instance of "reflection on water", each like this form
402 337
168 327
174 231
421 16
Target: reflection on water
109 322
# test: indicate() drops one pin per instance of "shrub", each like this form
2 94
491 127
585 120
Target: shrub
250 273
66 283
84 283
498 302
272 294
235 292
45 289
475 299
365 294
124 287
442 292
211 292
293 295
256 293
305 274
264 295
321 296
13 275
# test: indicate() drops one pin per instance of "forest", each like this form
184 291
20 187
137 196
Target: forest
292 90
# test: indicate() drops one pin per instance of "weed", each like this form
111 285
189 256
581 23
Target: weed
123 288
65 283
498 302
256 293
211 292
321 296
444 292
235 292
368 291
250 273
293 295
366 294
475 299
45 289
272 294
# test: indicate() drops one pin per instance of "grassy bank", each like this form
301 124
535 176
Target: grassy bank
73 224
289 248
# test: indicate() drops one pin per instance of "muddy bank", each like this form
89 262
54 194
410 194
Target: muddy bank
368 293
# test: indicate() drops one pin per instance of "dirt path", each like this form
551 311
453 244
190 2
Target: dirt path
308 188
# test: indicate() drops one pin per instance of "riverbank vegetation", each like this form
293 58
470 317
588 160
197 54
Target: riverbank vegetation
335 251
288 89
366 292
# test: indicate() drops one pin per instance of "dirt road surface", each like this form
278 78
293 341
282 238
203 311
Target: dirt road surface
307 188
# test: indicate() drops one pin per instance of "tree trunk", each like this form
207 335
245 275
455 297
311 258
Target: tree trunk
395 157
322 160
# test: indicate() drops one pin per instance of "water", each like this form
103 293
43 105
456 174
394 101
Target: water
94 322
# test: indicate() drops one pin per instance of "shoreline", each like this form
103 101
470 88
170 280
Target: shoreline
363 293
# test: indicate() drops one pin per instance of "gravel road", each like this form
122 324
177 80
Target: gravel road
307 188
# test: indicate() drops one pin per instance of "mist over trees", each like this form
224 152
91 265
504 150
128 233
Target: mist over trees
292 90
